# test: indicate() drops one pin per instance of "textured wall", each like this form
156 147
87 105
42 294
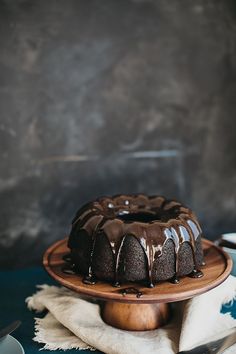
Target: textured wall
103 96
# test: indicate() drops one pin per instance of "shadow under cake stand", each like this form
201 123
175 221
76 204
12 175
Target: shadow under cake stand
133 306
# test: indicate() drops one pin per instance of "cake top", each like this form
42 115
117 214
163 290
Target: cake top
139 208
151 219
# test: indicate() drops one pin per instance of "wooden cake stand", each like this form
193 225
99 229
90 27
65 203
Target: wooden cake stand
133 306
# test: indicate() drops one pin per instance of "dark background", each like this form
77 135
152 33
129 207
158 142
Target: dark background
110 96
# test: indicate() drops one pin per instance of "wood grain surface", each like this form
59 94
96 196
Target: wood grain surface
217 269
135 317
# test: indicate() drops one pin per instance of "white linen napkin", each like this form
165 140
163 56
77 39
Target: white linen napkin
72 322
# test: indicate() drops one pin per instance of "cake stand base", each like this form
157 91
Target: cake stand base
135 317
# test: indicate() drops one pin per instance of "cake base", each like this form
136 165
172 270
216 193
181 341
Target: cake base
135 317
133 306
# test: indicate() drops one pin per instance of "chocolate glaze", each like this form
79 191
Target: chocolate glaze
196 274
67 258
89 280
131 290
151 220
116 284
174 280
69 269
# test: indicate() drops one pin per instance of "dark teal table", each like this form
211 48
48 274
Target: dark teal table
19 284
15 287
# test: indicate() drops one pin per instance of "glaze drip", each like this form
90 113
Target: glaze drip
67 258
90 277
174 280
69 269
131 290
196 274
89 280
117 259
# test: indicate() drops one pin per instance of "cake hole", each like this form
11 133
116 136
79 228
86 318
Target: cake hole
148 216
140 217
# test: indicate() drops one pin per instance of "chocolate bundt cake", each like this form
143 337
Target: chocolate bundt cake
135 238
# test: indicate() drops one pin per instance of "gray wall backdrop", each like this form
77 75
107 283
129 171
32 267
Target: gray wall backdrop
100 97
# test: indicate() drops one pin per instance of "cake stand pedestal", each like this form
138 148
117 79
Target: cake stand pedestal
133 306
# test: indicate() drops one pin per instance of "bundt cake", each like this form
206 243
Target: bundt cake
135 238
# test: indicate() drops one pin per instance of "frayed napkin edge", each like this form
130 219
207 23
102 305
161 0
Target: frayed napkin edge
39 338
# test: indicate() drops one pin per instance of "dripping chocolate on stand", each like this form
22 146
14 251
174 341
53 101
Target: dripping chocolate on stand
134 238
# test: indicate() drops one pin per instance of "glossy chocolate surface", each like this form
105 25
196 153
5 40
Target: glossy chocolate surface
151 220
131 290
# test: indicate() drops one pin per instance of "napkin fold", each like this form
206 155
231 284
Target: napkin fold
72 322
